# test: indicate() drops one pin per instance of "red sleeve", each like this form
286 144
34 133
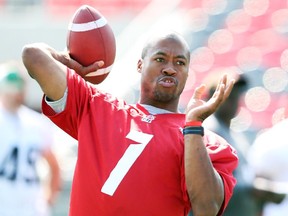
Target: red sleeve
76 106
225 161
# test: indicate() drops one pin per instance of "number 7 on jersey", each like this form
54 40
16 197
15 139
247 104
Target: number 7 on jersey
126 161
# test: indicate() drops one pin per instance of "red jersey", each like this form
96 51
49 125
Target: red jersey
130 162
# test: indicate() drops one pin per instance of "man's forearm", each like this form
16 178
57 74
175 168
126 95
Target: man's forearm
204 184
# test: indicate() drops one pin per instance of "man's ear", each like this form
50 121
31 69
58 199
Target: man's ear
139 65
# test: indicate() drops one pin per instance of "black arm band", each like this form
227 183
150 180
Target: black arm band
193 130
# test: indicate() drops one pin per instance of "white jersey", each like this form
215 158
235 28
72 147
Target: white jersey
23 137
268 156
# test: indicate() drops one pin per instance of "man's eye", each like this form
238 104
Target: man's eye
159 59
180 62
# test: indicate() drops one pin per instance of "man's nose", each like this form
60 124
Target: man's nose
169 70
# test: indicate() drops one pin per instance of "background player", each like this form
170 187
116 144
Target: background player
26 139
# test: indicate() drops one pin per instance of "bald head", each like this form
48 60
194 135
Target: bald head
165 36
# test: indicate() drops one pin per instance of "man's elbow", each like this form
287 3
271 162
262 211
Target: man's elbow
211 208
209 204
28 54
31 57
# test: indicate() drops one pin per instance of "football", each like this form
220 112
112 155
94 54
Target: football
91 39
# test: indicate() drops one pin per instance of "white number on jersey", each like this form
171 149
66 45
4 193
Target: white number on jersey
126 161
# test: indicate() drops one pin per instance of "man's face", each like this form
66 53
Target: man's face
164 71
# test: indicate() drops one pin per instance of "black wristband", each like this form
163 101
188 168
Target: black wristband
193 130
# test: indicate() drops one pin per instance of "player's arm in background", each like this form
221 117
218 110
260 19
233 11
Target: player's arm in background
54 182
204 184
48 67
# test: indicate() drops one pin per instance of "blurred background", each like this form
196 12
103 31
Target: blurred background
242 36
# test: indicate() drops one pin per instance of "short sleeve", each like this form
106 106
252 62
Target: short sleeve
224 159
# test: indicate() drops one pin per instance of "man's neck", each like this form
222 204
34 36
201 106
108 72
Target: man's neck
171 106
155 110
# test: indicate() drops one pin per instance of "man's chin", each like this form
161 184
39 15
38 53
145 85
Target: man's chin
164 97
